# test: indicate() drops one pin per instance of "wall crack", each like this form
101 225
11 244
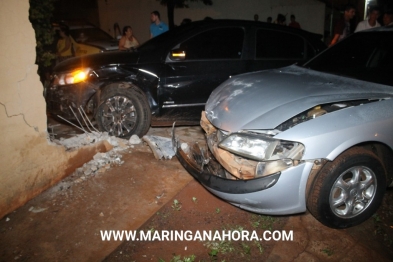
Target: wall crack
23 116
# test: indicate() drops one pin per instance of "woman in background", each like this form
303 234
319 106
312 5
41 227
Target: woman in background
128 40
64 45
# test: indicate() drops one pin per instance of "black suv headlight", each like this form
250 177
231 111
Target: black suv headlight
73 77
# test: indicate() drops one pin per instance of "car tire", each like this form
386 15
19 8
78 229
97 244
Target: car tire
348 190
123 112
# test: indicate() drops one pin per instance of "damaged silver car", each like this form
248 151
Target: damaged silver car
317 137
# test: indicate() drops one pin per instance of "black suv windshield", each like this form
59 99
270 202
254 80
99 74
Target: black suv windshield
366 56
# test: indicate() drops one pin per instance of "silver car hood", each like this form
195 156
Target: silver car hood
265 99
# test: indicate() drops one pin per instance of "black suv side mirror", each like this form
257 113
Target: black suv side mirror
178 54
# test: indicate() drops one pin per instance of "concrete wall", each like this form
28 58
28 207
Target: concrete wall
28 162
309 13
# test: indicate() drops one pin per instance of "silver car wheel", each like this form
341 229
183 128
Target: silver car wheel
118 115
353 191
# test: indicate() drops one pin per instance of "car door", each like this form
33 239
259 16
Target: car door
199 64
276 48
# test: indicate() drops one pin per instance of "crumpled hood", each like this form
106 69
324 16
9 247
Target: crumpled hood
97 60
265 99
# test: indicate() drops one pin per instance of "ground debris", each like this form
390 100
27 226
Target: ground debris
37 209
161 146
135 140
101 161
85 139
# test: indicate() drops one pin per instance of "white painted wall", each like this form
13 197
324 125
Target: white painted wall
29 163
309 13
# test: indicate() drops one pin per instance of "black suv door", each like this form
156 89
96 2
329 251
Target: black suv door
210 57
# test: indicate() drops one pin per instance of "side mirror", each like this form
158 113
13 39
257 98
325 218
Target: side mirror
177 54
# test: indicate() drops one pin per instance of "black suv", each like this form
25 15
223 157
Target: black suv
170 77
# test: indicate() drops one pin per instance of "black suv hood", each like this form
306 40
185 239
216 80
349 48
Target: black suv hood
98 60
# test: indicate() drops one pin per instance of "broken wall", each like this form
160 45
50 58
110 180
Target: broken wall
29 164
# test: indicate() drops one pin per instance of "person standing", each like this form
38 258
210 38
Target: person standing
280 19
157 27
388 17
293 22
371 22
128 40
343 27
64 45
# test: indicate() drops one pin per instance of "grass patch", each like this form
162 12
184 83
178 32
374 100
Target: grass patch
178 258
327 251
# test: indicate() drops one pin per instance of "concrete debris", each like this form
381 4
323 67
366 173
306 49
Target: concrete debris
135 140
83 140
7 219
100 161
90 138
159 196
161 146
37 209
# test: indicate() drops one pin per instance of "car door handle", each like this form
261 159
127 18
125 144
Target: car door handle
179 67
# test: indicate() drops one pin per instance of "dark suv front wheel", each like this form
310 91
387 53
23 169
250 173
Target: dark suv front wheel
123 112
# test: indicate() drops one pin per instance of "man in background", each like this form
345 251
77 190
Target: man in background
293 22
388 17
343 27
371 22
157 27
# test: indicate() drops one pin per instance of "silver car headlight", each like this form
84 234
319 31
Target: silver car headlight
262 148
73 77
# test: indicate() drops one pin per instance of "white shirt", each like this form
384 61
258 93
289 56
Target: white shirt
364 25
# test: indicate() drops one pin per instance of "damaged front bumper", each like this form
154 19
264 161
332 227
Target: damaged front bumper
279 193
60 99
203 167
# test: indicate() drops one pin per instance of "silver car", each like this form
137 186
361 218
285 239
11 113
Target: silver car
316 137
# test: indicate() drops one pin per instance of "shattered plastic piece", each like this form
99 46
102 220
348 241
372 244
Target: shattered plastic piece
161 146
185 147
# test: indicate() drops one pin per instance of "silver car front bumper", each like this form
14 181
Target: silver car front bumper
277 194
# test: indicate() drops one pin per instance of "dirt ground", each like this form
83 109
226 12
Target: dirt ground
199 210
65 222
